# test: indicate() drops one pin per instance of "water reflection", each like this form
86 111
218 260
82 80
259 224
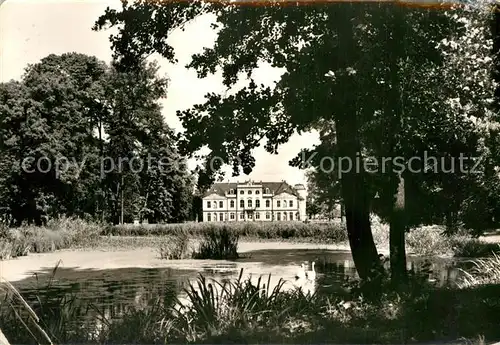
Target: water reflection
115 291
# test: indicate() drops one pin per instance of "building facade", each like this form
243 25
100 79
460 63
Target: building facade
254 201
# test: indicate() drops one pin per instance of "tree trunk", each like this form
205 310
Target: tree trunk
342 212
354 189
397 237
356 200
495 30
102 199
121 202
357 216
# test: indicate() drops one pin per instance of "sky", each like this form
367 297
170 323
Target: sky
33 29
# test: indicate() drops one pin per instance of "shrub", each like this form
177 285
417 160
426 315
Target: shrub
380 231
473 248
428 240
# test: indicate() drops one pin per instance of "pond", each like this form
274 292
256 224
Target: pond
114 290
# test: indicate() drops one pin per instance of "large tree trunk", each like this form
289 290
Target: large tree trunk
356 201
397 237
357 216
354 189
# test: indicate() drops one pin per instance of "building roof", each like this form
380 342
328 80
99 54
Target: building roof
276 188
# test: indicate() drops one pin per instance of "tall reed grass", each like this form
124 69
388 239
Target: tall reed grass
58 234
175 248
49 315
29 324
484 272
218 244
245 311
331 232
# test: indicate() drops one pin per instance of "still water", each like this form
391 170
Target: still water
113 291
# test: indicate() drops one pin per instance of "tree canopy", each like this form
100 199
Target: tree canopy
385 80
64 129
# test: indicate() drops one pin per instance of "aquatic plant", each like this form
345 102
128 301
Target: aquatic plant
57 315
330 232
484 272
216 308
59 233
246 309
218 244
175 248
14 302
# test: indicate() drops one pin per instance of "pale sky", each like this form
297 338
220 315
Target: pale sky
33 29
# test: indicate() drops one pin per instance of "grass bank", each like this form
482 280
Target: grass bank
246 311
59 233
171 239
329 232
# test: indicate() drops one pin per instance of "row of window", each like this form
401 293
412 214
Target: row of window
232 216
249 203
266 191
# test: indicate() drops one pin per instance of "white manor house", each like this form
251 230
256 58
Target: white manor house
254 201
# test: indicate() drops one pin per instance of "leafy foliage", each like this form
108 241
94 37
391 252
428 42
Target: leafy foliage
72 133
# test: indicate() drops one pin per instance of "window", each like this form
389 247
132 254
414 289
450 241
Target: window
242 203
268 203
231 191
284 215
268 191
284 203
221 217
257 192
215 217
242 192
221 204
232 204
278 203
278 216
209 204
249 202
257 215
249 192
290 203
209 217
241 216
257 203
250 216
231 216
291 215
215 204
268 215
297 216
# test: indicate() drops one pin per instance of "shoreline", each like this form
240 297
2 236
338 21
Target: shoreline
147 247
102 257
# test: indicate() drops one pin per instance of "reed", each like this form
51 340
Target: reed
175 248
330 232
218 244
59 233
484 272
